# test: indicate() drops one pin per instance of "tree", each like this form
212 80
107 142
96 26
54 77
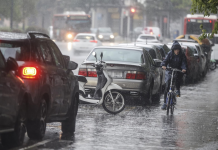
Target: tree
206 7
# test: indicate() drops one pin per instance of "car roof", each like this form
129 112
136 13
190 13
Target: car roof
13 36
121 47
86 34
147 35
137 44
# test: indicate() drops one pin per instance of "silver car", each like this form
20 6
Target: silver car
132 68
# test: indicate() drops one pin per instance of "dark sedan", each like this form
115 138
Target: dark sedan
13 98
132 68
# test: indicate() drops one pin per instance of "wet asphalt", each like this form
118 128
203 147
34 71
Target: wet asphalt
194 125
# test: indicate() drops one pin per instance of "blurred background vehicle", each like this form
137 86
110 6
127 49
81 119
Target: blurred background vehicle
153 31
105 34
67 25
147 38
85 42
131 67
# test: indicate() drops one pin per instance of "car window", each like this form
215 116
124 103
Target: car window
58 57
147 37
17 50
147 58
2 61
85 37
162 52
150 59
116 54
166 49
45 53
159 56
152 53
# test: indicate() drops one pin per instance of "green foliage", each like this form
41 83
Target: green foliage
205 7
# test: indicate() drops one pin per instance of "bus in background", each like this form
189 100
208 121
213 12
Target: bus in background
192 23
67 25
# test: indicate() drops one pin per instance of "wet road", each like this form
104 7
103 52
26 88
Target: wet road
194 125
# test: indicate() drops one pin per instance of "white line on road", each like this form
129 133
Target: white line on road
37 144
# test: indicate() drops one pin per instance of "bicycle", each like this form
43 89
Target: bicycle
171 95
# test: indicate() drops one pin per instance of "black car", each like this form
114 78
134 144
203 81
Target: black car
13 98
49 79
131 67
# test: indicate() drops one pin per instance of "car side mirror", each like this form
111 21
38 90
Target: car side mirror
157 62
11 64
71 66
66 59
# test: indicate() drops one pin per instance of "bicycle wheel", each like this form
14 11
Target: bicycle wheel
113 103
168 102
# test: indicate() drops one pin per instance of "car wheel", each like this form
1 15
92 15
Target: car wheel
16 137
69 125
36 128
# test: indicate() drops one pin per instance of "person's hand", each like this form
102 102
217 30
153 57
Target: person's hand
183 70
164 67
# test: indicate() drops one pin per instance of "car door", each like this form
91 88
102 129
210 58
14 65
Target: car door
66 79
8 91
52 76
155 74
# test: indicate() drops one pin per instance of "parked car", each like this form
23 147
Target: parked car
49 79
132 68
214 54
13 100
105 34
155 53
85 42
147 38
153 31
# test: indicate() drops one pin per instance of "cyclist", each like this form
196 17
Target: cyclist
175 59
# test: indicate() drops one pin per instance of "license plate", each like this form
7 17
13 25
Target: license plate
116 74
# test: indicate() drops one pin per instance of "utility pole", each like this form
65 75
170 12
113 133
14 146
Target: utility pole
23 17
12 8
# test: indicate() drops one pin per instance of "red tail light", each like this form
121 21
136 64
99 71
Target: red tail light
94 41
210 21
92 73
135 75
83 72
188 20
159 35
75 40
140 76
29 72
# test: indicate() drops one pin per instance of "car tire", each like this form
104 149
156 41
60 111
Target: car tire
147 99
69 125
36 128
16 137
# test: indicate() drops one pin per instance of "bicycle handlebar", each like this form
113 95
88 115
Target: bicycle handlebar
173 69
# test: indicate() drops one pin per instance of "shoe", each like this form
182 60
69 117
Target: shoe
164 106
177 93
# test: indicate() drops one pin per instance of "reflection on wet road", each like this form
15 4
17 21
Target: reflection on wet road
194 125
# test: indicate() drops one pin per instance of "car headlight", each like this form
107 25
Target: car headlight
112 36
69 36
100 36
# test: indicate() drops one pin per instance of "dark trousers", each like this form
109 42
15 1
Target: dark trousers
178 80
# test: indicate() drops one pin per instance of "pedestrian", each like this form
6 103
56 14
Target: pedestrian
174 59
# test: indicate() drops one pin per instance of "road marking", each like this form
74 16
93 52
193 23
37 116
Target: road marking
37 144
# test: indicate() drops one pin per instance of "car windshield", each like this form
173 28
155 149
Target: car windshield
147 37
116 54
105 30
16 50
85 37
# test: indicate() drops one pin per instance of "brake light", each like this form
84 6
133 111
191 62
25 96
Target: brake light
135 75
188 20
94 41
210 21
29 72
83 72
159 35
92 73
75 40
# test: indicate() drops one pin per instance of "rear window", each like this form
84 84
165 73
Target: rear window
147 37
85 37
120 55
17 50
